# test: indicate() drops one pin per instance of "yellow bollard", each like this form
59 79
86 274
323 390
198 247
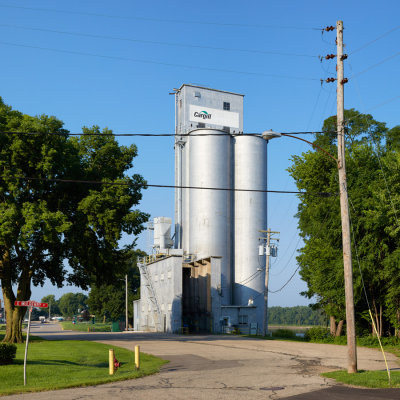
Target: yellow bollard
111 361
137 357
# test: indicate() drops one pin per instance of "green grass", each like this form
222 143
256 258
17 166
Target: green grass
83 326
31 337
371 379
62 364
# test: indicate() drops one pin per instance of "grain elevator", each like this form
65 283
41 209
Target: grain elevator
210 277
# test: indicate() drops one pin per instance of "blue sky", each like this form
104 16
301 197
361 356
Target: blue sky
114 64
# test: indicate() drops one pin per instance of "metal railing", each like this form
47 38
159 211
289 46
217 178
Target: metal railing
151 258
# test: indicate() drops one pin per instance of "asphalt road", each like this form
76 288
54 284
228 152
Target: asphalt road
223 367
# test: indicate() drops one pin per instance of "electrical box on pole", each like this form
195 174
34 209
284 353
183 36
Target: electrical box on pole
268 249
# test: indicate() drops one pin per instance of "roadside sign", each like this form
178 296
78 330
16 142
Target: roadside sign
30 303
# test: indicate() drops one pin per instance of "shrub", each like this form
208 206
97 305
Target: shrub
7 353
373 341
318 334
284 333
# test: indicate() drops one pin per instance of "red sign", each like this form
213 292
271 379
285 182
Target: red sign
30 303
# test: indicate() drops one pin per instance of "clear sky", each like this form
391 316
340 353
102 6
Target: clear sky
114 63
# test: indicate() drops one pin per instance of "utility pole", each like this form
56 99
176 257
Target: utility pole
268 254
344 207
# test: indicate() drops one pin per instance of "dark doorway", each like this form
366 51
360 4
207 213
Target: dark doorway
196 296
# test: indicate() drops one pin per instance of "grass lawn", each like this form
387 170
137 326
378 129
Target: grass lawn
83 326
61 364
371 379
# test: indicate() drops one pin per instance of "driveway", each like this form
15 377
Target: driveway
223 367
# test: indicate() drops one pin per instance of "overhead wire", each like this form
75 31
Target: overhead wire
143 61
290 258
298 145
375 65
375 40
125 39
379 160
144 185
288 281
294 273
377 106
174 21
152 134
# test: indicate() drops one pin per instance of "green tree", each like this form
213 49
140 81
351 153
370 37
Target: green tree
44 223
53 309
71 304
108 300
319 217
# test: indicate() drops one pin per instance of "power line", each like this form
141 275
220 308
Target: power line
294 273
379 160
375 65
174 21
154 134
145 185
376 106
124 39
375 40
137 60
290 258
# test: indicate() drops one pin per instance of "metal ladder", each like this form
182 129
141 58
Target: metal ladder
151 296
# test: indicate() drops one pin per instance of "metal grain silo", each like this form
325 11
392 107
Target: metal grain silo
250 172
211 211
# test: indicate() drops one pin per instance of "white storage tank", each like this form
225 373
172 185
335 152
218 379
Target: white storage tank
210 211
250 172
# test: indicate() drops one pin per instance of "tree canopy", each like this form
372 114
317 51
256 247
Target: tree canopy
373 165
108 300
45 223
54 308
71 304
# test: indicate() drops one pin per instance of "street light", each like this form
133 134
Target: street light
268 135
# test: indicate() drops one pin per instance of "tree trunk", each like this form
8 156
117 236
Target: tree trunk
375 329
332 323
15 315
339 328
380 320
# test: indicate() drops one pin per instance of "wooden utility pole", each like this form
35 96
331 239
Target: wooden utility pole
344 208
268 254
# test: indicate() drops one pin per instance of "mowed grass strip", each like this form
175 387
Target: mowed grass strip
370 379
84 326
62 364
